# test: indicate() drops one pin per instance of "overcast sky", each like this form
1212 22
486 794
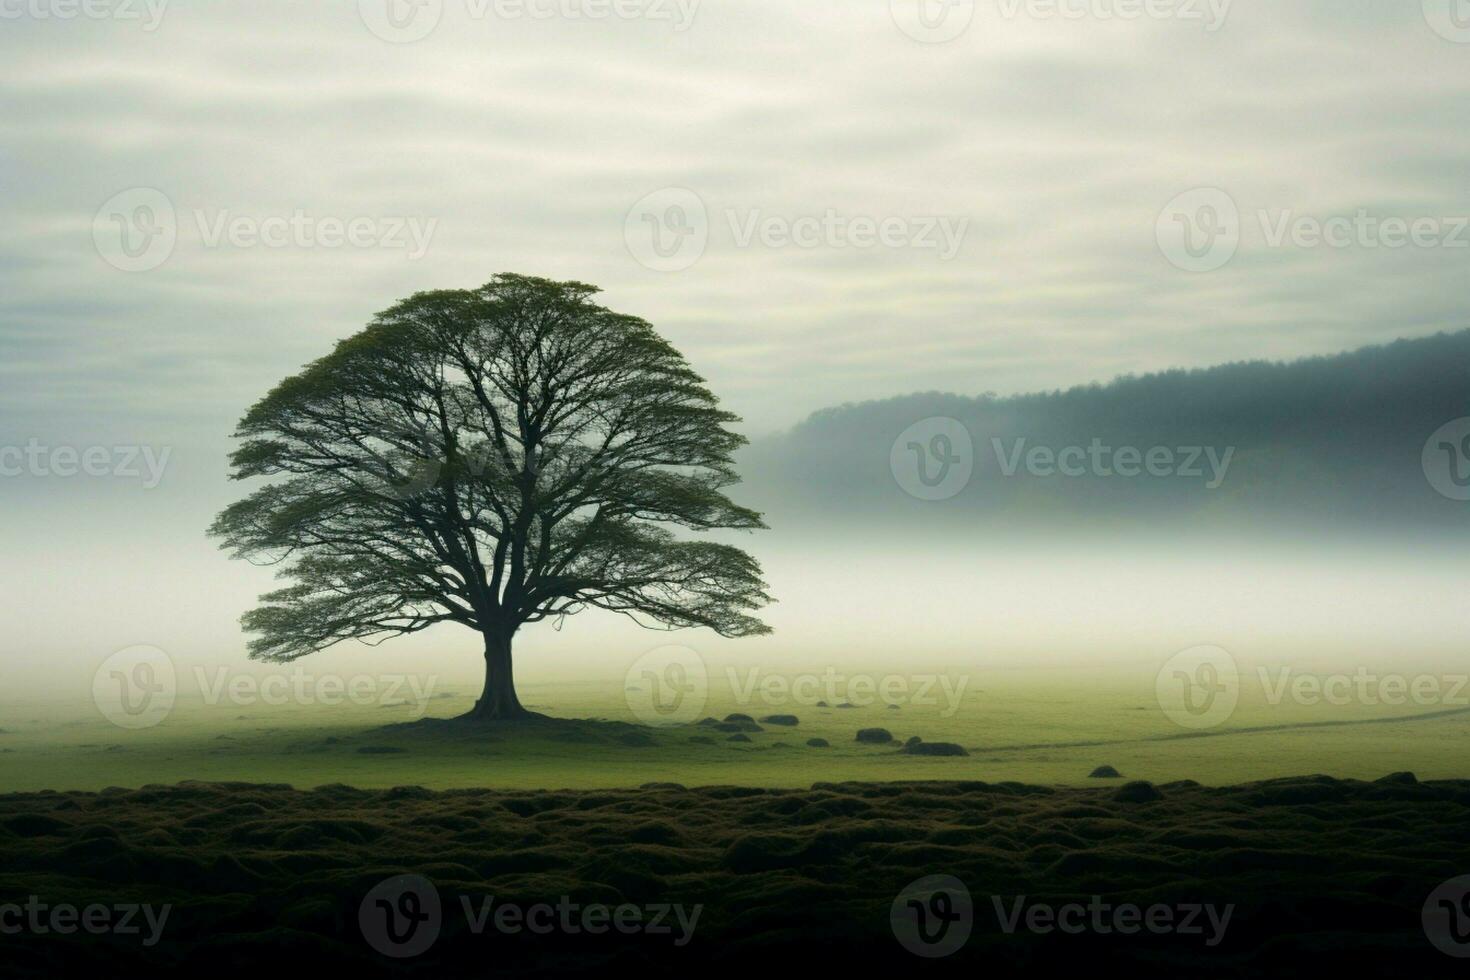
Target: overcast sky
988 206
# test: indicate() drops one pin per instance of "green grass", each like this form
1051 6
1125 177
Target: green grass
1034 726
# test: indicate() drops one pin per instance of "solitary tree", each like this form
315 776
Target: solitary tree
490 457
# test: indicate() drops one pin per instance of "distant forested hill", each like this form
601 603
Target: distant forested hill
1326 439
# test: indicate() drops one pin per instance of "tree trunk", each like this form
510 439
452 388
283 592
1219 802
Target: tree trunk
498 701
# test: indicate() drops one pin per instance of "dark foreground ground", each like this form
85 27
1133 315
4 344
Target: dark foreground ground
1321 874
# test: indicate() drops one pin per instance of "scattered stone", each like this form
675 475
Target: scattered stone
678 786
788 720
636 740
933 748
893 707
381 750
818 743
1138 792
738 726
701 740
846 704
738 737
1105 772
821 704
737 716
1399 779
875 736
913 740
708 722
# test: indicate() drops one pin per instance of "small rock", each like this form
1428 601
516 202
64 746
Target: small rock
737 716
787 720
380 750
1138 792
818 743
738 737
1399 779
701 740
875 736
821 704
1105 772
893 707
915 747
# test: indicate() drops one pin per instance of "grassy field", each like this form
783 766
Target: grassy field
1036 726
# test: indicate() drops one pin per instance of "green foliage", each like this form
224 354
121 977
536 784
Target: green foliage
491 457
